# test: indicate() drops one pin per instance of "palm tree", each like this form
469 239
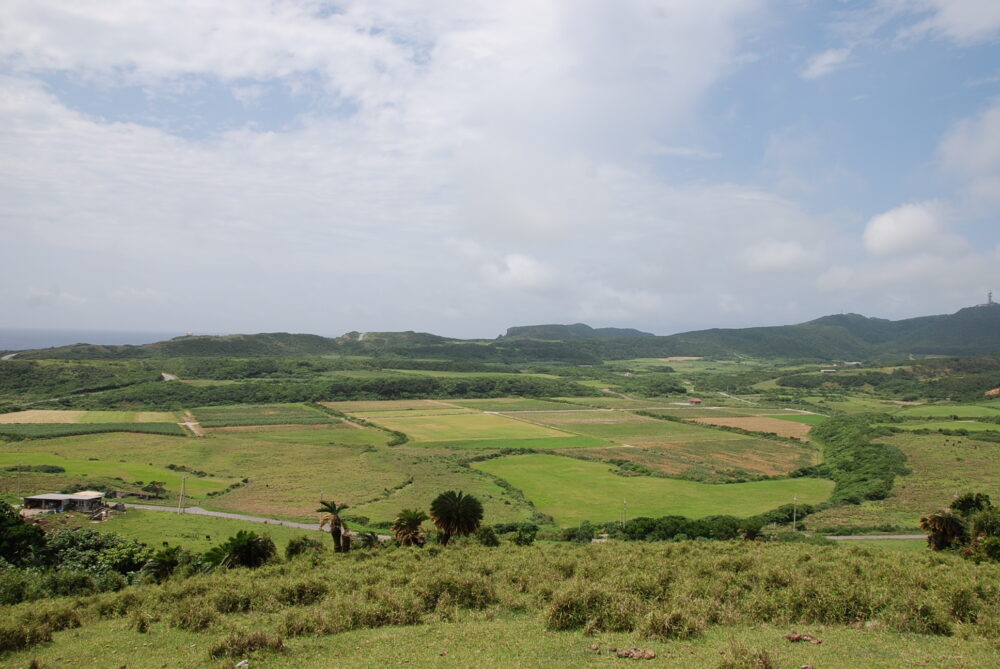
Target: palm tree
406 527
337 526
245 549
943 528
456 513
369 540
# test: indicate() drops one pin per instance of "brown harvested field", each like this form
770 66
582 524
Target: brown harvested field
42 416
782 428
709 460
387 405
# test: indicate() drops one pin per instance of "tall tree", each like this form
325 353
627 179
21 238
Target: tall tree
455 513
337 527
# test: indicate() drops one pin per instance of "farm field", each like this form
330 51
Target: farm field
949 410
49 430
49 416
513 404
794 430
970 425
261 414
941 468
457 427
386 405
574 490
113 469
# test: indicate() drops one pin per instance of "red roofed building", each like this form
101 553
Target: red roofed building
694 400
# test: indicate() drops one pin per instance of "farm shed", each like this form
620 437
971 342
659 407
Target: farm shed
85 501
694 400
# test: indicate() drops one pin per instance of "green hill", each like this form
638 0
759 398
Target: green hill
970 331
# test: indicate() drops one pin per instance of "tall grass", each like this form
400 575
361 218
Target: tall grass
660 591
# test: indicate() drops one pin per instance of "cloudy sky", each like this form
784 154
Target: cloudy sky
460 167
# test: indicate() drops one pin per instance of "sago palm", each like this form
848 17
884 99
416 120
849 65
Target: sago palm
337 527
407 529
455 513
944 529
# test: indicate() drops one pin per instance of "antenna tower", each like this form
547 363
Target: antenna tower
989 298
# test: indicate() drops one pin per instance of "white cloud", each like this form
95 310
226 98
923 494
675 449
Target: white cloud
826 62
962 21
910 229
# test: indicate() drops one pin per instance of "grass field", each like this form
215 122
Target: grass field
970 425
193 532
386 405
550 606
806 418
460 427
573 490
512 404
50 430
948 410
795 430
941 468
261 414
46 416
127 472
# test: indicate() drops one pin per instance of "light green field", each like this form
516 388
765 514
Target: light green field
970 425
808 419
894 545
512 404
197 487
386 405
467 426
458 375
402 413
948 410
193 532
510 641
573 490
854 403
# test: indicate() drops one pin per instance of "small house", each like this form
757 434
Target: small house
85 501
694 401
827 371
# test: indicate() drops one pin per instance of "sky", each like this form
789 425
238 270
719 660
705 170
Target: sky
463 167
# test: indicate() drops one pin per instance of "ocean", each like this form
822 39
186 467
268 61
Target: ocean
16 339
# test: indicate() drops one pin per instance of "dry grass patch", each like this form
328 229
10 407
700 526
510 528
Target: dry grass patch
41 416
782 428
387 405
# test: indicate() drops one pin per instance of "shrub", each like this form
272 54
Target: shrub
299 545
241 643
487 537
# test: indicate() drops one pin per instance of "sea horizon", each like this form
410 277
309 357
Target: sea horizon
21 339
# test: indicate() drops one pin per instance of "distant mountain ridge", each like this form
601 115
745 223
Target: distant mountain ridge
970 331
555 332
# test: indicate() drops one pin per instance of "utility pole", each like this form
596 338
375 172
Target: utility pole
19 465
180 500
624 511
795 501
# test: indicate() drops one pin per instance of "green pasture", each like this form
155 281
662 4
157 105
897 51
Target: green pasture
619 402
934 425
399 413
192 531
260 414
512 404
82 469
806 418
574 490
893 545
467 426
948 410
853 403
625 426
51 430
460 375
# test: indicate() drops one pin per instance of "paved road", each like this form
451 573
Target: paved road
8 356
856 537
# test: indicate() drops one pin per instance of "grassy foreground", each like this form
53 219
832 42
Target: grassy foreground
695 604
